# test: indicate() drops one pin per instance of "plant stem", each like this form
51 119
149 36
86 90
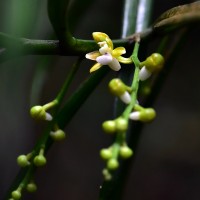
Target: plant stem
68 81
135 83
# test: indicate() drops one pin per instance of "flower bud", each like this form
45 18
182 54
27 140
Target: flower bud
22 161
125 152
58 135
144 74
117 87
121 124
16 195
39 113
154 62
106 174
147 115
106 154
39 160
31 187
112 164
126 97
109 126
135 115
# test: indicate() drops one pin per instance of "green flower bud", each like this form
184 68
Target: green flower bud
121 124
106 174
58 135
147 115
31 187
39 113
112 164
106 154
39 160
109 126
125 152
117 87
154 62
22 161
16 195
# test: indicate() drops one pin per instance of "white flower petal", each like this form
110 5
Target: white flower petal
104 49
126 97
115 65
104 59
134 115
144 74
48 117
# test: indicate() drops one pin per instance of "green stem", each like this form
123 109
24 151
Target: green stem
58 15
68 81
135 83
50 104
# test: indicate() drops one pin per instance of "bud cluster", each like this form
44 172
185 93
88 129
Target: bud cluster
118 125
110 155
17 194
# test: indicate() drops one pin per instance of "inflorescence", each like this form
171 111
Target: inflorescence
37 158
107 55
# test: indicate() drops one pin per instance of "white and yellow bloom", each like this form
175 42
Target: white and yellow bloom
106 55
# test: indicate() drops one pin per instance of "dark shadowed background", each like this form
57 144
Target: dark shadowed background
167 161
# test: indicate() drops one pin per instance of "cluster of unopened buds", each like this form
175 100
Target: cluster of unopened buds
108 55
40 113
17 194
37 158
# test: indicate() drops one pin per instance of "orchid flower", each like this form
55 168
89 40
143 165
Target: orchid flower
107 55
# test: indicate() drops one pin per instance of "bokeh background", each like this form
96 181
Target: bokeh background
167 161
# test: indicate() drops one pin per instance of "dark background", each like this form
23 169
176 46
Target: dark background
167 161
